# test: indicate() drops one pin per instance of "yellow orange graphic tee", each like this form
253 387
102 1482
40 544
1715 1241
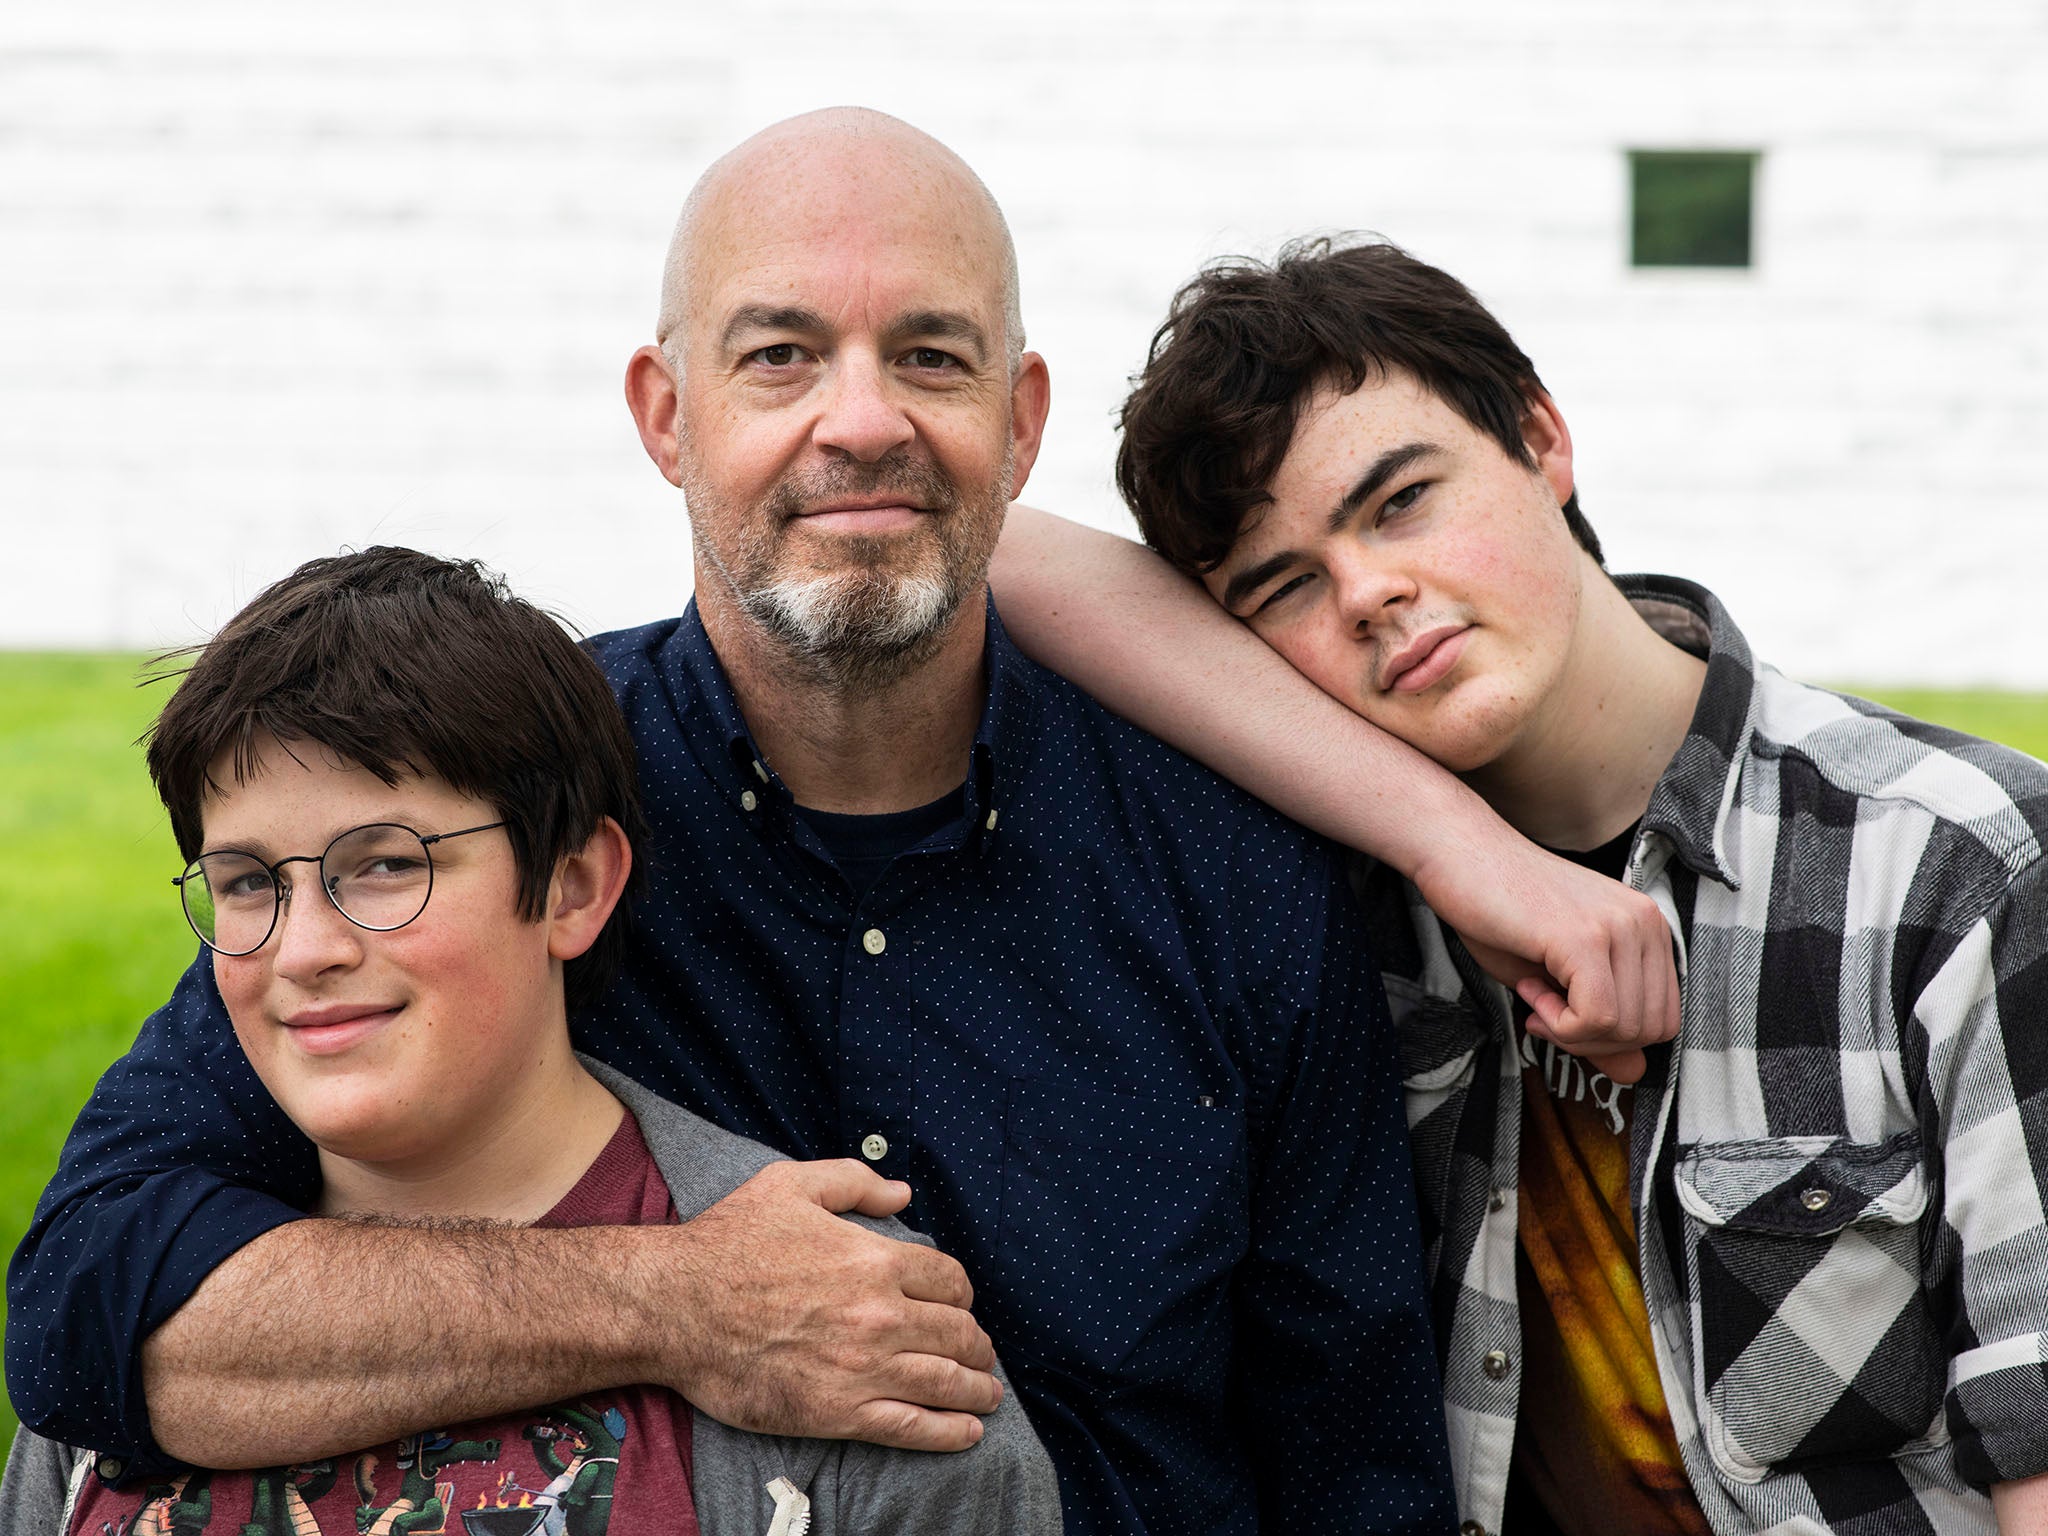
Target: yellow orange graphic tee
1594 1446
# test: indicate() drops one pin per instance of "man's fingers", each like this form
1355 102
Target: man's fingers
943 1332
839 1184
925 1274
907 1427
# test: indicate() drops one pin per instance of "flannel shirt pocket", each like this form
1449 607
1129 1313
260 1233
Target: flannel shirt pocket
1812 1338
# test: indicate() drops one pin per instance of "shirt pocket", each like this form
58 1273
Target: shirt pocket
1124 1218
1812 1336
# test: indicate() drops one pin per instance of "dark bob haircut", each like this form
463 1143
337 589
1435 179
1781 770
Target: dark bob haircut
1244 347
407 664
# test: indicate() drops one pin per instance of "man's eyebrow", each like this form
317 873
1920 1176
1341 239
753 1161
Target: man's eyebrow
1377 474
770 317
944 325
1249 580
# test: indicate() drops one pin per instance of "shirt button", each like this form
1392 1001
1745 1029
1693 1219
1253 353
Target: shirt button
991 821
1497 1201
873 942
1816 1199
874 1148
748 799
1471 1528
1495 1364
111 1467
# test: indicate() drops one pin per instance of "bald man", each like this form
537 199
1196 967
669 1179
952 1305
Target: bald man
919 910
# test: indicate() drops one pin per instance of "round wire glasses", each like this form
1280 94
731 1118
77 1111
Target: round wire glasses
377 876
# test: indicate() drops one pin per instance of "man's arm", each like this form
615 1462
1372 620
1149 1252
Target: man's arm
371 1331
1334 1363
2022 1508
174 1219
1123 624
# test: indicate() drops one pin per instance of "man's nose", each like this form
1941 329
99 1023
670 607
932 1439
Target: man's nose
312 935
1368 590
860 411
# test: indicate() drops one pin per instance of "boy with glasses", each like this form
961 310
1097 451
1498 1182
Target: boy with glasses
407 801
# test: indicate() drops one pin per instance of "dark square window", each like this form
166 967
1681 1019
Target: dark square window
1692 208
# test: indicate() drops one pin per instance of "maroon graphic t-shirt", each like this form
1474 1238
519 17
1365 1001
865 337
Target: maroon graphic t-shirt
609 1464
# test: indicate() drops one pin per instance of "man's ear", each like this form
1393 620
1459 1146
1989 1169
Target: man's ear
1549 442
651 396
587 885
1030 401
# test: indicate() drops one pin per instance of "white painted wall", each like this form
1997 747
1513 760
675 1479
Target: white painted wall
276 279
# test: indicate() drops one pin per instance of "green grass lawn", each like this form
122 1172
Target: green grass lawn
90 936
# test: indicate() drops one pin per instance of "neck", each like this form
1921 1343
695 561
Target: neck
1585 770
541 1138
883 744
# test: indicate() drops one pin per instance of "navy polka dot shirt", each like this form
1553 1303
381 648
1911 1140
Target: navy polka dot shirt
1113 1023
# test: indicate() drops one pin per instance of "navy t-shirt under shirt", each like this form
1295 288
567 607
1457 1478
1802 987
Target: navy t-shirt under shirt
863 847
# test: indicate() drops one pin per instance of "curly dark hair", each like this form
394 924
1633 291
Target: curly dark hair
1246 344
406 663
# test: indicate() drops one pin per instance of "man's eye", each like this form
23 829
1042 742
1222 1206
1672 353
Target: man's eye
1280 594
1402 500
932 358
781 355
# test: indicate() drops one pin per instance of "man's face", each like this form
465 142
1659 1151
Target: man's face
387 1048
1415 572
846 435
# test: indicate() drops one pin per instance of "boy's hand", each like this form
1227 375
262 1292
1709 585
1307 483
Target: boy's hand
1591 958
787 1320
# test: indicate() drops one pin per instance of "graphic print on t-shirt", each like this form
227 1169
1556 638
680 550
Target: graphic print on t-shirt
552 1475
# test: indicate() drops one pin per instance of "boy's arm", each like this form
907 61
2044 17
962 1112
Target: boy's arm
1116 619
271 1338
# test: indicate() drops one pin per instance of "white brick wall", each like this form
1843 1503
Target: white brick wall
277 279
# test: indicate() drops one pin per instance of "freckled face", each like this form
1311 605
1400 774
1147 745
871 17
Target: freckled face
382 1047
1415 572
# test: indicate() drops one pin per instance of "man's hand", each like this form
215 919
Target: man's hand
1591 958
791 1321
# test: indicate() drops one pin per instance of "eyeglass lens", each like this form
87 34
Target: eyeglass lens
378 876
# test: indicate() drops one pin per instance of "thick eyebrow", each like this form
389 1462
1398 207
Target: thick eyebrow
770 317
1377 474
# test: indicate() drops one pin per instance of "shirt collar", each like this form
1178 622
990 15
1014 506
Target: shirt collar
702 696
1695 796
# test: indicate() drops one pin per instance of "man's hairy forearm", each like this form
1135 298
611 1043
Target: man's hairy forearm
322 1336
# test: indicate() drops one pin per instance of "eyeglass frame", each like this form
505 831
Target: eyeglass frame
282 890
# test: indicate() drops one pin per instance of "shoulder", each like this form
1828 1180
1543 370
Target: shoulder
630 656
1909 789
1120 788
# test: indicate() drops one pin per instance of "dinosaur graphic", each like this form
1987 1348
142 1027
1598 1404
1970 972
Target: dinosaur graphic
278 1506
581 1447
180 1507
421 1508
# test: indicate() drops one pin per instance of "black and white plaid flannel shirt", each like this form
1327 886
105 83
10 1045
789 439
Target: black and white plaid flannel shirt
1839 1166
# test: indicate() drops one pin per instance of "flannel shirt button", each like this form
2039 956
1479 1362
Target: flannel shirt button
1495 1364
1497 1201
1471 1528
873 942
1816 1199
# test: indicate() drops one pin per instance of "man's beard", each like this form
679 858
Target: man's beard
865 622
